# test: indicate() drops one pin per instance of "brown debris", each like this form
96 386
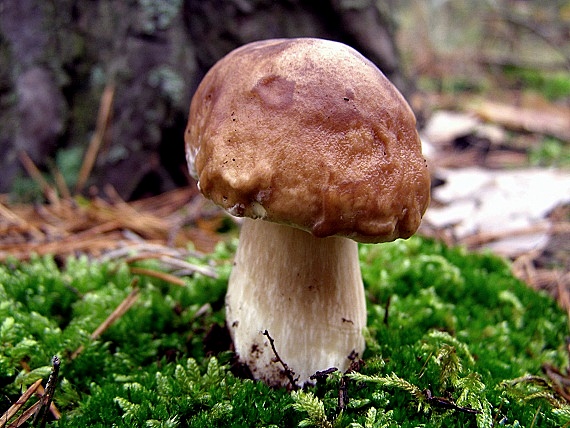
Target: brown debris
14 408
290 374
555 123
75 226
560 381
554 281
465 132
39 409
103 119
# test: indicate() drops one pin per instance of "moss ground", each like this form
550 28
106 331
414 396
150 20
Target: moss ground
453 340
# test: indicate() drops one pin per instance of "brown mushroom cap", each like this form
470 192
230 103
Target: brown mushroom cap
308 133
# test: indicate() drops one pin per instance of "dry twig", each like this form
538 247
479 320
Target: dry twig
123 307
15 408
103 118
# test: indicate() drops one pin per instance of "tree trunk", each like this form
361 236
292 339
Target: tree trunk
57 57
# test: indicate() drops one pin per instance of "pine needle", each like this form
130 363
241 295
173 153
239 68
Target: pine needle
103 117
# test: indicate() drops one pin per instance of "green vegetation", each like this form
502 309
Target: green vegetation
553 85
454 84
551 152
453 340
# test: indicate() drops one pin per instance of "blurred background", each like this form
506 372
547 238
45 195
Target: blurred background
58 59
94 98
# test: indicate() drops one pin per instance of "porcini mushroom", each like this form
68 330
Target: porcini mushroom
311 144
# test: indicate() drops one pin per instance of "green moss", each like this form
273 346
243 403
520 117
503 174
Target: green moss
453 340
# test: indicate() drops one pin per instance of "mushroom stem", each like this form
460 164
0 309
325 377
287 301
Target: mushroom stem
307 292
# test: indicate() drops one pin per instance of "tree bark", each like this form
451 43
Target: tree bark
57 57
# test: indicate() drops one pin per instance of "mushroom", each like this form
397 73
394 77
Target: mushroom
311 144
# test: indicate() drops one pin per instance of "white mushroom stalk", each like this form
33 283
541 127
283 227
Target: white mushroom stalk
306 292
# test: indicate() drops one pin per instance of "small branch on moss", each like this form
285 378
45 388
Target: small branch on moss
290 374
27 414
174 262
123 307
169 259
560 381
446 403
157 274
47 397
39 409
322 374
343 398
40 390
14 408
143 249
355 366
